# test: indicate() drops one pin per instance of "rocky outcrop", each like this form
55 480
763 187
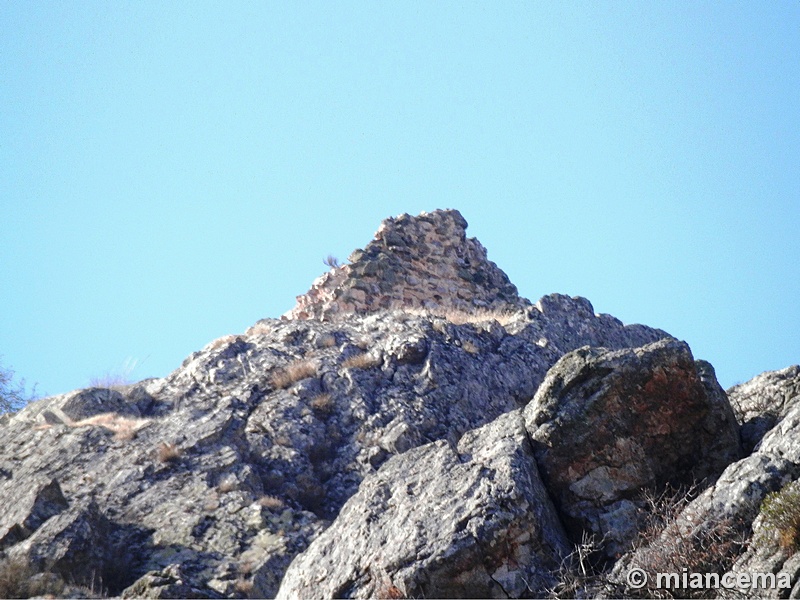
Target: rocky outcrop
607 425
442 521
764 400
715 531
424 262
412 427
234 463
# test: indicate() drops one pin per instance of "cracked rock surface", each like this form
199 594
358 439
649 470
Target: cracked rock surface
412 428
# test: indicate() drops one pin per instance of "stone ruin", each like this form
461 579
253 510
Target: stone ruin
425 262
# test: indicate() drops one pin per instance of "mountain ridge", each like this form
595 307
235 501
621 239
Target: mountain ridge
222 478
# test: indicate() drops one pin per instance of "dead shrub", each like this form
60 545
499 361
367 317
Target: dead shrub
361 361
322 402
578 572
327 340
167 453
292 373
19 580
671 542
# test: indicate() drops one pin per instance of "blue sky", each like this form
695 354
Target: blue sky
173 172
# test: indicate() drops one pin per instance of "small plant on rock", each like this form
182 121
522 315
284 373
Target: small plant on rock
322 403
331 261
271 502
780 513
168 453
361 361
293 372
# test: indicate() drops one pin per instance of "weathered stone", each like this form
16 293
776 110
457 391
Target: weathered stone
25 516
441 522
208 482
407 254
95 401
607 424
719 523
763 401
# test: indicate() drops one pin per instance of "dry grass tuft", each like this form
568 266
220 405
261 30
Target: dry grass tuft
459 316
322 402
17 581
243 586
361 361
167 453
224 340
124 428
271 502
293 372
327 340
259 329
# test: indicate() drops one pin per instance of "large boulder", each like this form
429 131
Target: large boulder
440 521
607 425
721 530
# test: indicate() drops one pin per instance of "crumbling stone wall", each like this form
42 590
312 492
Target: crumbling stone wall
423 262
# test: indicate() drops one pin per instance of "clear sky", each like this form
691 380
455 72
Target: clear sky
171 172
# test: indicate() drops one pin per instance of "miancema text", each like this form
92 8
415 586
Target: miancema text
687 580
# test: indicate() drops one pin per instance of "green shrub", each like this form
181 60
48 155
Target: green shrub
780 513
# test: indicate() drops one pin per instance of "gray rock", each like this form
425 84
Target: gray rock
761 402
716 528
24 517
210 481
607 425
439 521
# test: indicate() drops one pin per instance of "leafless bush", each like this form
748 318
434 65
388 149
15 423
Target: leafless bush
578 572
673 542
331 261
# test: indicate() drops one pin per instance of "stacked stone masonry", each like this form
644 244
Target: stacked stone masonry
424 262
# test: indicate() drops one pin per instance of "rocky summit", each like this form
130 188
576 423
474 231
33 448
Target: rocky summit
412 428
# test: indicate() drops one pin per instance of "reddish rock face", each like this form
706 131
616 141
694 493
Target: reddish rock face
607 425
